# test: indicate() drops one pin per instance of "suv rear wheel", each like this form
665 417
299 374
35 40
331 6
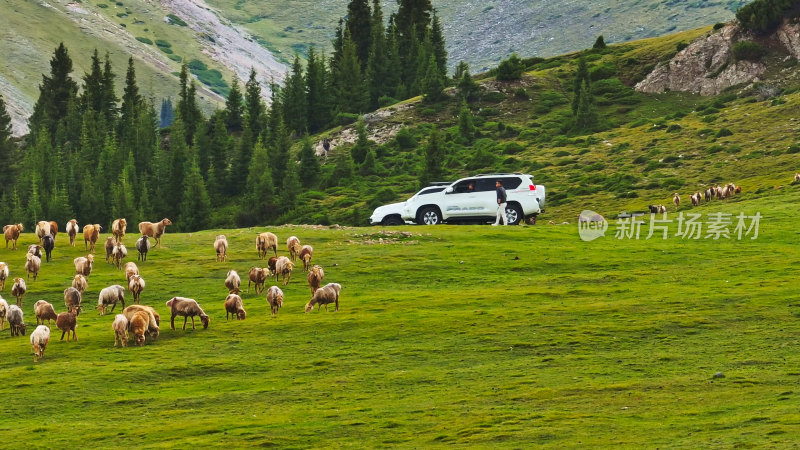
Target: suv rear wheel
513 214
392 220
429 216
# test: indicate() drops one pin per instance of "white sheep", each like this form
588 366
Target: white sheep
325 295
136 286
283 267
118 253
120 327
266 241
131 269
3 311
293 245
3 275
32 266
39 339
110 296
83 265
233 282
186 307
72 231
79 282
221 247
275 299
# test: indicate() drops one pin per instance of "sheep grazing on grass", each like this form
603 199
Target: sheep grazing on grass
39 339
42 229
796 178
109 248
118 254
293 245
110 296
156 318
91 233
657 209
221 247
139 326
83 265
305 255
118 228
15 320
271 265
233 282
43 310
35 249
3 312
3 275
72 231
48 244
11 233
324 296
19 289
136 286
79 282
120 327
142 246
131 269
72 300
275 299
283 267
154 230
257 276
32 266
315 276
186 307
266 241
234 307
676 199
67 322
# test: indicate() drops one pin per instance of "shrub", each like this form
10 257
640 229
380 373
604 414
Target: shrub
522 94
175 58
163 43
718 26
386 101
681 45
489 112
561 153
510 69
102 5
641 159
716 148
602 72
600 43
405 139
723 132
748 50
793 149
346 118
144 40
493 97
674 128
385 195
176 20
512 148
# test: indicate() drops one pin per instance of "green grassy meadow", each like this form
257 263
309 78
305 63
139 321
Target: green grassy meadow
444 337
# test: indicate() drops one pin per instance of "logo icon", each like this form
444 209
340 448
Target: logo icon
591 225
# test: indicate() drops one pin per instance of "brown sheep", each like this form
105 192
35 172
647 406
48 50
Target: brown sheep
271 264
233 282
234 307
53 229
136 286
109 248
139 326
91 233
315 276
83 265
293 245
131 269
324 296
677 200
283 267
156 318
19 289
72 231
118 253
72 300
221 247
118 228
266 241
275 299
43 310
3 311
154 230
79 282
257 276
186 307
796 178
11 233
3 275
42 228
305 255
66 322
32 266
120 327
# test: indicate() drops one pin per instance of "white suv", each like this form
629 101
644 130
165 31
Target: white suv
475 199
391 214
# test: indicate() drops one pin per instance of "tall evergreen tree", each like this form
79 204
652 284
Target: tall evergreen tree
295 108
466 126
167 115
178 160
378 64
55 93
433 83
92 97
309 165
368 167
581 77
412 18
109 101
361 147
435 155
437 41
254 104
290 188
234 107
394 66
7 149
359 27
467 87
259 201
351 97
221 149
317 98
196 205
34 212
188 110
279 154
343 170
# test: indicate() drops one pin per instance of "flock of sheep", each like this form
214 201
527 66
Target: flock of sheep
713 192
140 320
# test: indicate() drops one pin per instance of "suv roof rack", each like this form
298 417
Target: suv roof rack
495 174
440 183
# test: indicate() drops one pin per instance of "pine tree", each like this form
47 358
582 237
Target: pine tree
368 166
92 97
240 165
7 150
434 159
377 65
109 101
279 154
254 104
361 147
188 110
585 116
309 165
234 108
131 101
433 83
259 199
178 160
467 86
291 188
221 146
412 18
359 27
600 43
34 212
295 108
437 41
581 77
394 67
59 208
167 115
466 126
17 211
343 170
196 205
316 92
55 93
351 96
123 202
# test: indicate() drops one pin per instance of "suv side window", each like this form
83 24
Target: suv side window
511 183
432 190
485 184
462 187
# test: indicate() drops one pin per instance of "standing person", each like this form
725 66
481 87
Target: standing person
326 145
501 204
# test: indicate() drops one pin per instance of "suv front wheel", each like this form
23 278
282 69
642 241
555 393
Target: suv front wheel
513 214
429 216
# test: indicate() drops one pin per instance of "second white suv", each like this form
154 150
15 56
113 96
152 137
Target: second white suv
475 199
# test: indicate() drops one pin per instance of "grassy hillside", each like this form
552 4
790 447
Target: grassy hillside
450 335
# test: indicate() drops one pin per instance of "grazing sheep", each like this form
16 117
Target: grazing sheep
131 269
120 327
271 265
83 265
15 320
275 299
39 339
11 233
139 326
154 230
283 267
19 289
325 295
305 255
155 320
109 248
266 241
42 229
72 231
72 300
708 194
3 275
677 200
136 286
118 228
35 249
91 233
118 254
315 276
142 246
695 198
657 209
293 245
186 307
796 178
234 307
53 228
738 190
66 322
32 266
221 247
257 276
233 282
3 311
48 244
110 296
79 282
44 311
